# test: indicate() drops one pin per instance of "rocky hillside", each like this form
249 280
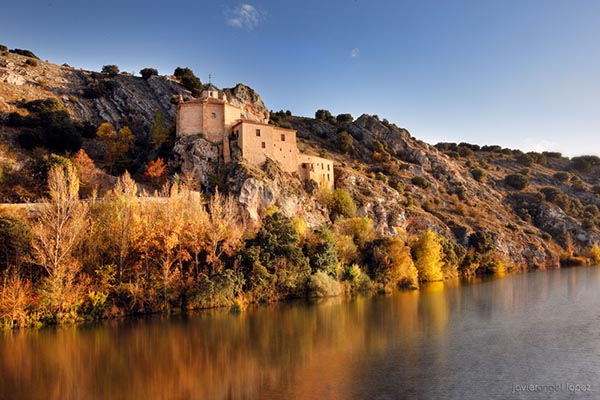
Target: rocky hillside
525 209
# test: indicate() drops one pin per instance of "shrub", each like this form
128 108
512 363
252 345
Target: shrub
3 48
31 62
428 255
322 252
464 151
189 80
478 174
420 181
525 159
516 181
357 279
594 254
552 154
324 115
572 260
339 202
25 53
110 70
344 118
345 142
146 73
551 193
323 285
562 176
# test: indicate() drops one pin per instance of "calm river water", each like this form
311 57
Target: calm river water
524 336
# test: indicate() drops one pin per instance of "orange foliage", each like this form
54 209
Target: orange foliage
156 172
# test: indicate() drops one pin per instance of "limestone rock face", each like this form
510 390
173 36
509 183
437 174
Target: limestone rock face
128 97
258 188
250 103
197 158
379 202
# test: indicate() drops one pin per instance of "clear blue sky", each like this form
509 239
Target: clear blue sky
522 74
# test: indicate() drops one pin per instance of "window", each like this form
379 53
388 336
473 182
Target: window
258 132
327 167
282 137
263 145
213 115
328 177
322 166
303 166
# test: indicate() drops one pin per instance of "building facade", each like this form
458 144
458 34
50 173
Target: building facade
222 123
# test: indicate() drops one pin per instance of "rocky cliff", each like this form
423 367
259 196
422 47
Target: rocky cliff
96 97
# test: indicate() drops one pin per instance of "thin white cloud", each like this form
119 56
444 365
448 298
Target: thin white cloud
355 52
244 16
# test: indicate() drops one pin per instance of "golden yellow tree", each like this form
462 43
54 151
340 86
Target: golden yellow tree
224 231
429 257
170 216
61 222
404 271
196 225
122 215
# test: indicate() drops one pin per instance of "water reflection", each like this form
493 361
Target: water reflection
434 343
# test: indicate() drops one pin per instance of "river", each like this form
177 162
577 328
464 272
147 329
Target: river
524 336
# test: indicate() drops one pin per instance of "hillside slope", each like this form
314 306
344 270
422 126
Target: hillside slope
548 208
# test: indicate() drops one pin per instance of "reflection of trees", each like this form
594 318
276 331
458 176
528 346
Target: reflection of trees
292 350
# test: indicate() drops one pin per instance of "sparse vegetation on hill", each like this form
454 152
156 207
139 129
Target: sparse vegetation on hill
403 212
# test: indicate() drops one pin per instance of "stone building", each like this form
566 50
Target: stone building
221 123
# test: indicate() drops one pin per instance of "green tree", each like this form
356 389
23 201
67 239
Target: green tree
428 254
344 118
345 142
117 143
341 204
322 252
277 248
146 73
516 181
111 70
160 133
189 80
15 242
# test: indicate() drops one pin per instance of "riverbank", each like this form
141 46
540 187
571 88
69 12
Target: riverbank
467 340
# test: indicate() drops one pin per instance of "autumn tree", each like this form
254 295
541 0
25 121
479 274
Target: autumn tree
156 172
116 143
196 225
428 254
15 298
87 171
224 232
60 224
122 220
170 219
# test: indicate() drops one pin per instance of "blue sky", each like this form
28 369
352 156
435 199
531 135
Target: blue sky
523 74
